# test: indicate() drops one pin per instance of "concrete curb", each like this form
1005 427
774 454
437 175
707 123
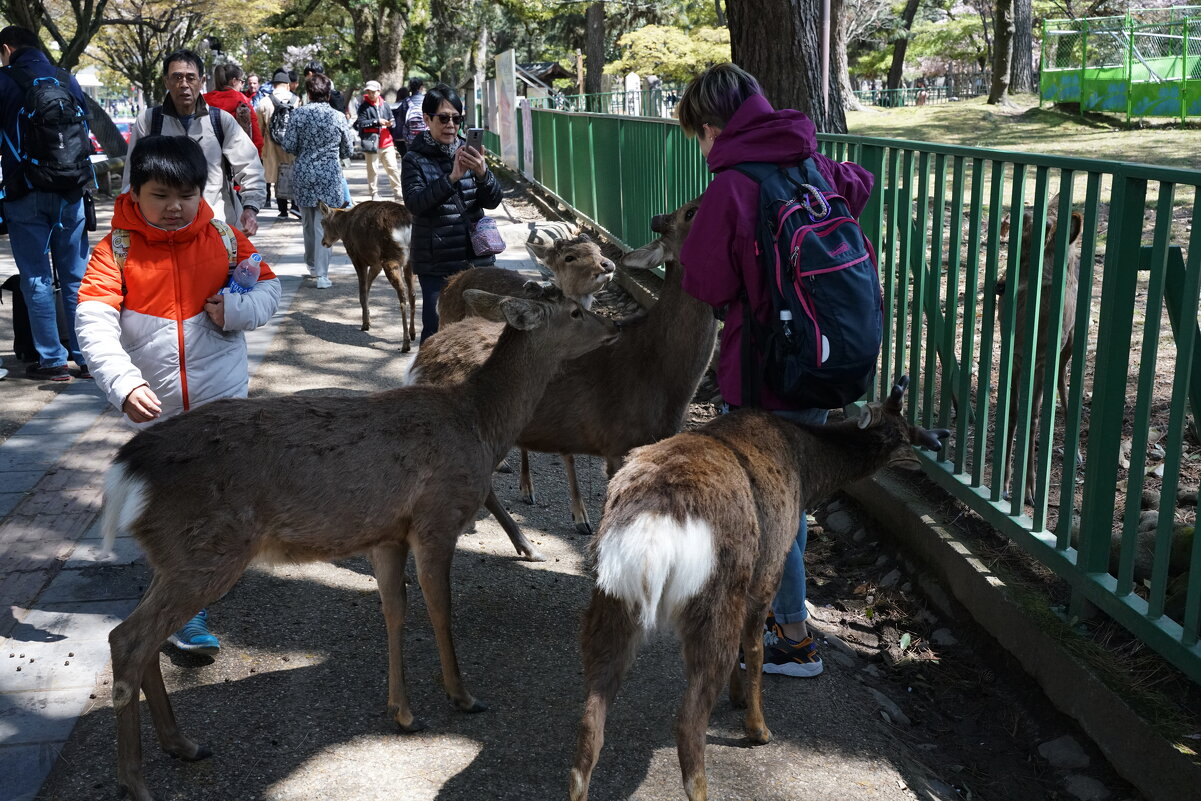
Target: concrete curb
1133 747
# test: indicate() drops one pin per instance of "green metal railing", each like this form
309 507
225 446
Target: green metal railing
896 98
659 102
937 217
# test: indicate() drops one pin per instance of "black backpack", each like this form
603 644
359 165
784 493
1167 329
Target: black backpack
279 120
820 346
53 144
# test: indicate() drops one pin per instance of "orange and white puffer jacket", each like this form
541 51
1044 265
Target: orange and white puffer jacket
145 324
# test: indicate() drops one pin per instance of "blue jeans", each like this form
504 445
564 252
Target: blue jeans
47 232
789 603
431 288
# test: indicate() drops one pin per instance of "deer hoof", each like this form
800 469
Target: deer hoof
365 327
189 752
534 555
583 527
760 736
414 726
405 348
472 708
529 498
504 467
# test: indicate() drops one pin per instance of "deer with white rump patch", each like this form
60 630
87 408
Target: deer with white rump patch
377 235
695 532
617 398
317 478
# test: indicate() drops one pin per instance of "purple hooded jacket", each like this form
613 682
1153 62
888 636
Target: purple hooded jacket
719 255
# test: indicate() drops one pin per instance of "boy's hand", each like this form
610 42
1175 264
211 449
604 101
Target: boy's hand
142 405
214 307
249 222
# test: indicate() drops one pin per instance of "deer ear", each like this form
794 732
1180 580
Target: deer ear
866 415
324 208
524 314
647 257
1077 226
539 250
484 304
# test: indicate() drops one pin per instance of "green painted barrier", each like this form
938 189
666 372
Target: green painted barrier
936 217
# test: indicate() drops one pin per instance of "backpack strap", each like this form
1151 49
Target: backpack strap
230 241
218 128
156 121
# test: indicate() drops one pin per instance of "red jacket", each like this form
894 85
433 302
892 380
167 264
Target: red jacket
719 255
229 100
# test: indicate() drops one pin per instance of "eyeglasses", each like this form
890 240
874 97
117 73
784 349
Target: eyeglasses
183 77
457 119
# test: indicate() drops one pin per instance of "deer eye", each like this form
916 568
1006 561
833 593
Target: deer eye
576 314
688 215
569 258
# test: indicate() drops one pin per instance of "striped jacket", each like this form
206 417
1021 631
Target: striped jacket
145 324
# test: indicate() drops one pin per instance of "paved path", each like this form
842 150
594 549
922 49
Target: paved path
59 593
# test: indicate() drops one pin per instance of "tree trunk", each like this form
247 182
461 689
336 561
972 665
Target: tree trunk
594 52
392 25
897 70
1002 53
1021 72
721 15
839 66
779 42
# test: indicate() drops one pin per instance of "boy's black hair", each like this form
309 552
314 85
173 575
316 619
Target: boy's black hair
176 161
19 39
190 56
434 97
416 85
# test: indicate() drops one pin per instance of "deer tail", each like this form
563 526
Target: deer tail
654 564
125 499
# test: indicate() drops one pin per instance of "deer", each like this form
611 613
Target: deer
1046 319
317 478
377 235
577 264
631 393
694 535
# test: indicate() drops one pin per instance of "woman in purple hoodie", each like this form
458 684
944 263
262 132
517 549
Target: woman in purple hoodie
733 123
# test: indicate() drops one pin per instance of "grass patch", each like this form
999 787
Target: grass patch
1027 128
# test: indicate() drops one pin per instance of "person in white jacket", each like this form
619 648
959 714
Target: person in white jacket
159 336
184 113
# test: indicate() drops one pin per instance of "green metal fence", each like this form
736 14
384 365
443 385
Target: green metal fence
937 216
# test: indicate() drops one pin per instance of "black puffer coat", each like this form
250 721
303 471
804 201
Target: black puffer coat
441 230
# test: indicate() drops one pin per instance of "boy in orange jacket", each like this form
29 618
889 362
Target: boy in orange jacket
159 337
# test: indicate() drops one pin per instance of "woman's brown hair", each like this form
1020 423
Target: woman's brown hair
714 96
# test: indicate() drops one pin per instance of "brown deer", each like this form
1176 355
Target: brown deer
316 478
1046 319
619 397
695 532
578 266
377 235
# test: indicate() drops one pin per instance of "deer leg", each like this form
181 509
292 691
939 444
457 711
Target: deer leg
390 270
408 279
610 640
526 484
434 552
134 644
388 562
752 653
1035 402
579 513
709 653
516 536
366 274
1065 355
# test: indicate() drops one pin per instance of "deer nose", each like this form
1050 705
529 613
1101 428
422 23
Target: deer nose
607 267
659 223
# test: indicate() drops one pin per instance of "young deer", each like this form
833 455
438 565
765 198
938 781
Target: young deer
695 532
619 397
1046 318
578 266
308 478
376 234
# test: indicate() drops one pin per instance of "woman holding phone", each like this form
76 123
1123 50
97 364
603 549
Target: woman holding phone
447 185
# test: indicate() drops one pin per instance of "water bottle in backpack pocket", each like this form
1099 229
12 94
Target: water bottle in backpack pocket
820 347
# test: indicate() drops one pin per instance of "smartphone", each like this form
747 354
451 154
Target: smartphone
475 139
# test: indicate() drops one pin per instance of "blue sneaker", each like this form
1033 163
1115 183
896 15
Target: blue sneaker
195 638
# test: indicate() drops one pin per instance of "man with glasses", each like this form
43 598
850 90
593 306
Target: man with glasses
232 157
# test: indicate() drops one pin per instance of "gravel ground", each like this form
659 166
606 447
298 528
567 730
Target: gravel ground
294 707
